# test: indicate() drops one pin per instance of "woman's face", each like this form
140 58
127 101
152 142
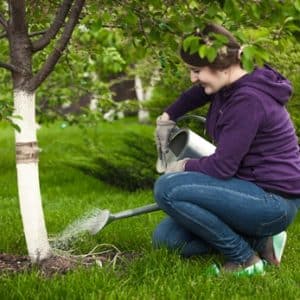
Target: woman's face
211 80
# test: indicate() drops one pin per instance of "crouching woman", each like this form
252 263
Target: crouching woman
240 200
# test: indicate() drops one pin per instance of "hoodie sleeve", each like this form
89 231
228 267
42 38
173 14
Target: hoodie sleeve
238 128
189 100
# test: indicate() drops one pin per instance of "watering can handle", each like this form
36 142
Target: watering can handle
176 128
135 211
199 118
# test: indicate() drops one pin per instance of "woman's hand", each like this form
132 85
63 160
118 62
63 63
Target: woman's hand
164 126
176 166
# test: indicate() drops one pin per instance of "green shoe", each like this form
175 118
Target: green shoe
255 269
213 270
279 241
274 249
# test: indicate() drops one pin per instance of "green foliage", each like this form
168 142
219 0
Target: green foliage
123 159
113 36
191 43
6 114
174 80
129 167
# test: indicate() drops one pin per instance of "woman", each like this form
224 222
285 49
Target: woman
239 200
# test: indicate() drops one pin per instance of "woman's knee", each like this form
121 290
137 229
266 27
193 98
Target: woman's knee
166 184
161 233
169 234
161 188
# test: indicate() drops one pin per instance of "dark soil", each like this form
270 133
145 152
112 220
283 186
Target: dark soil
10 264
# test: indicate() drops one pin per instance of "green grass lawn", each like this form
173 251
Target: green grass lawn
154 274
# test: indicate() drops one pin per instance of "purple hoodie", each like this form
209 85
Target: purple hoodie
252 130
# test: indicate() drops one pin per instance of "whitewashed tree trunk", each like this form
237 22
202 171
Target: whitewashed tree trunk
25 82
144 95
28 178
143 115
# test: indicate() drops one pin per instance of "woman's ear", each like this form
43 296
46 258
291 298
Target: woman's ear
240 53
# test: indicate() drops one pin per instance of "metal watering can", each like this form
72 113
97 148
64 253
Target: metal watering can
183 143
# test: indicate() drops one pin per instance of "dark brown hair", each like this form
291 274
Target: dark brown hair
229 56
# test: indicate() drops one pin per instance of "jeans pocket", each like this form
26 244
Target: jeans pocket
273 227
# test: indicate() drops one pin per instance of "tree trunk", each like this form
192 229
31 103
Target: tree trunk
143 115
28 177
25 84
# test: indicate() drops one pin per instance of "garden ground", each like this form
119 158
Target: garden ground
121 263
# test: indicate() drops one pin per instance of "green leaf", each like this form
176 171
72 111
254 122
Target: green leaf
297 4
232 9
18 117
293 28
191 42
164 26
212 10
288 19
202 51
256 11
194 46
15 126
248 57
249 52
248 65
211 54
221 38
131 18
263 54
241 36
154 34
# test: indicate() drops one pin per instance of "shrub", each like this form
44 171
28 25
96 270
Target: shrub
130 167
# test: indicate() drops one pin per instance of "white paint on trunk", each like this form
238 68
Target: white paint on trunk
28 181
143 115
142 95
94 103
139 88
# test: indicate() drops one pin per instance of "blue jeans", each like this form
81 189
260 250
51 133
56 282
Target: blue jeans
234 217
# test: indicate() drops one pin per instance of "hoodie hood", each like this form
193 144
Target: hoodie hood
270 82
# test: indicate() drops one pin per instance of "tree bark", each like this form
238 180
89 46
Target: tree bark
60 46
58 22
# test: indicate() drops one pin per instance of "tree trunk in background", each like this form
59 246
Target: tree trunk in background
28 177
143 115
142 96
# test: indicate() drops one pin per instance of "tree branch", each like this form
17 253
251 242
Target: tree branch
4 34
10 67
60 46
57 24
3 22
34 33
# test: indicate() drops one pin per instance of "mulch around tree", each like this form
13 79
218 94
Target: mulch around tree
12 264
